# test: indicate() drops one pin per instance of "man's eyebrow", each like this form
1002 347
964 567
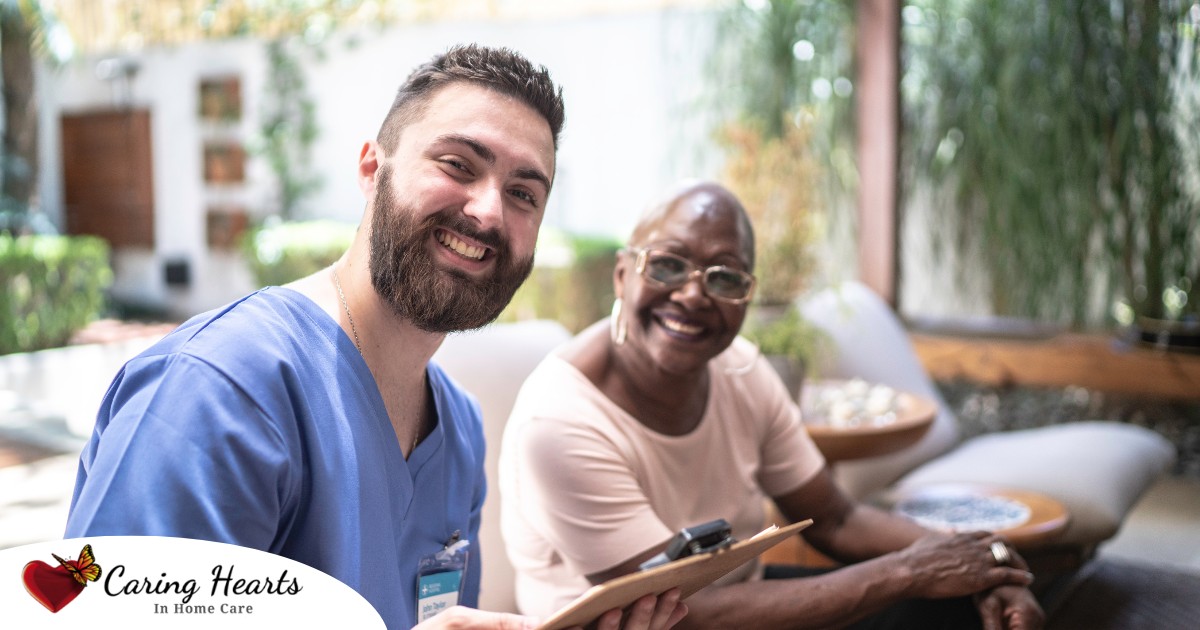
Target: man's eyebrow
534 174
488 156
475 145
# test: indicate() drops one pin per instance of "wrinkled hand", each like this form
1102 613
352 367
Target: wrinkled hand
647 613
1010 608
960 565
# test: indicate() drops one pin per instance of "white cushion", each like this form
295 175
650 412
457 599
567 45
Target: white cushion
1097 470
492 363
868 342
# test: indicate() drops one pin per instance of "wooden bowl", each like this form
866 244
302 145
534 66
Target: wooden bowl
914 416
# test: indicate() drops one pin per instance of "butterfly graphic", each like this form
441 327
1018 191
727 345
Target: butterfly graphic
84 569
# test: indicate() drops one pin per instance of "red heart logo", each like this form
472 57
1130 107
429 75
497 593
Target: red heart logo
53 587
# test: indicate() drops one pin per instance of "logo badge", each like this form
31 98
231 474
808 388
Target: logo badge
56 586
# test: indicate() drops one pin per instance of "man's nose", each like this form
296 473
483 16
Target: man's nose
486 206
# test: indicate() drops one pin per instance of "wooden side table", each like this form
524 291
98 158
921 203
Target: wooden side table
1046 518
913 417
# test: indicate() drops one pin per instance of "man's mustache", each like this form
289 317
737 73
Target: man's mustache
458 223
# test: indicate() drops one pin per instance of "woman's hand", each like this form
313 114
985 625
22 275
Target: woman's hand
647 613
1010 608
960 565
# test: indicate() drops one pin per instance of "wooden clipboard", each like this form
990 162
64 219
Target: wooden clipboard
689 574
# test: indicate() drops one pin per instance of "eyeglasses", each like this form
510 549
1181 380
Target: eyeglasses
720 282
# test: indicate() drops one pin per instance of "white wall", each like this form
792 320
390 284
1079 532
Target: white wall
630 82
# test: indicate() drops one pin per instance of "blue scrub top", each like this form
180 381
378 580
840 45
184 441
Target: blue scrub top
259 425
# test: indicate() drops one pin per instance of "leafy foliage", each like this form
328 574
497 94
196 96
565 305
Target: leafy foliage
1066 136
51 287
288 126
572 282
782 68
774 178
284 251
785 332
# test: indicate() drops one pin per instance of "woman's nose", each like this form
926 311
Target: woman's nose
692 293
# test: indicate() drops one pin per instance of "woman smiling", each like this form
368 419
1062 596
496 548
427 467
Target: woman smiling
662 418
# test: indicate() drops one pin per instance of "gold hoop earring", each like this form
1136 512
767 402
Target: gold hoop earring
616 324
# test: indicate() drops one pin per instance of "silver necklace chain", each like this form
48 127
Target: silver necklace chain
354 329
337 283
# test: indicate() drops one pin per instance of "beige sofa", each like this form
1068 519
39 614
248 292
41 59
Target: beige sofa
1098 469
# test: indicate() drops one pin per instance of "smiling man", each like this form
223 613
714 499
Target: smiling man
307 420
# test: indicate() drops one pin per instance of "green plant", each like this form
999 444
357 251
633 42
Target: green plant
787 334
289 126
1059 139
783 113
571 283
50 287
774 177
280 252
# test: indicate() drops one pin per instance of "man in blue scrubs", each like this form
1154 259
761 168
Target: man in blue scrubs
307 420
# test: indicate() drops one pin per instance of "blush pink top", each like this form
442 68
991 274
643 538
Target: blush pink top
585 486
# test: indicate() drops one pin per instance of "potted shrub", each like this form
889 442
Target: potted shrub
789 342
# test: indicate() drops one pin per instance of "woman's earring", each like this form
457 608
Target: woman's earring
616 324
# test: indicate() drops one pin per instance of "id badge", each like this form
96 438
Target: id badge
440 578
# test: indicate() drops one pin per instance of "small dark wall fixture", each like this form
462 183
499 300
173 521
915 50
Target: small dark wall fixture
177 273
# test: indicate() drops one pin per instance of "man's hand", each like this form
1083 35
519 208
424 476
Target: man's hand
463 618
647 613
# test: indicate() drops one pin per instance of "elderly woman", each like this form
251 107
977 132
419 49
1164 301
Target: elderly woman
662 418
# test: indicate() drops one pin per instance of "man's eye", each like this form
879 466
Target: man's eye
456 165
524 196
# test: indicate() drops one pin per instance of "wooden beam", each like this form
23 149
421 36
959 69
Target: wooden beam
1098 362
878 117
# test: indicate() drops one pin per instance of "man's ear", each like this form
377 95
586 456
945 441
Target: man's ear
368 166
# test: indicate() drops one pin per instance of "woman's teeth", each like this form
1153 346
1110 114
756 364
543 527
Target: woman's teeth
469 251
681 327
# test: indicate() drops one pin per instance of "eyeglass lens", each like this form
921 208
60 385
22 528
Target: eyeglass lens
722 282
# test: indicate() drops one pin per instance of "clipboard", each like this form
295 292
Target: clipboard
690 574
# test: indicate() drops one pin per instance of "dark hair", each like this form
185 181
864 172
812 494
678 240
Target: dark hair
499 69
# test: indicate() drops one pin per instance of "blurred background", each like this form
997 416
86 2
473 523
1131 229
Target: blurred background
1019 179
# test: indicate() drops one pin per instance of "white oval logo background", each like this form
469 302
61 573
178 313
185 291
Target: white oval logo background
145 580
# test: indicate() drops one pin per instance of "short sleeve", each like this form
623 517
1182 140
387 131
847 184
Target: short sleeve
579 492
789 456
181 452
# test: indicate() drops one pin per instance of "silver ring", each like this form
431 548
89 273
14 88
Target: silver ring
1000 553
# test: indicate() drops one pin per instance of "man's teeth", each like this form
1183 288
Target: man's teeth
470 251
681 327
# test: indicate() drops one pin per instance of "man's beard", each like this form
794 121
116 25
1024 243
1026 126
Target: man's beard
405 276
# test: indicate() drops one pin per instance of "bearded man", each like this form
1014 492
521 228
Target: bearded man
307 420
